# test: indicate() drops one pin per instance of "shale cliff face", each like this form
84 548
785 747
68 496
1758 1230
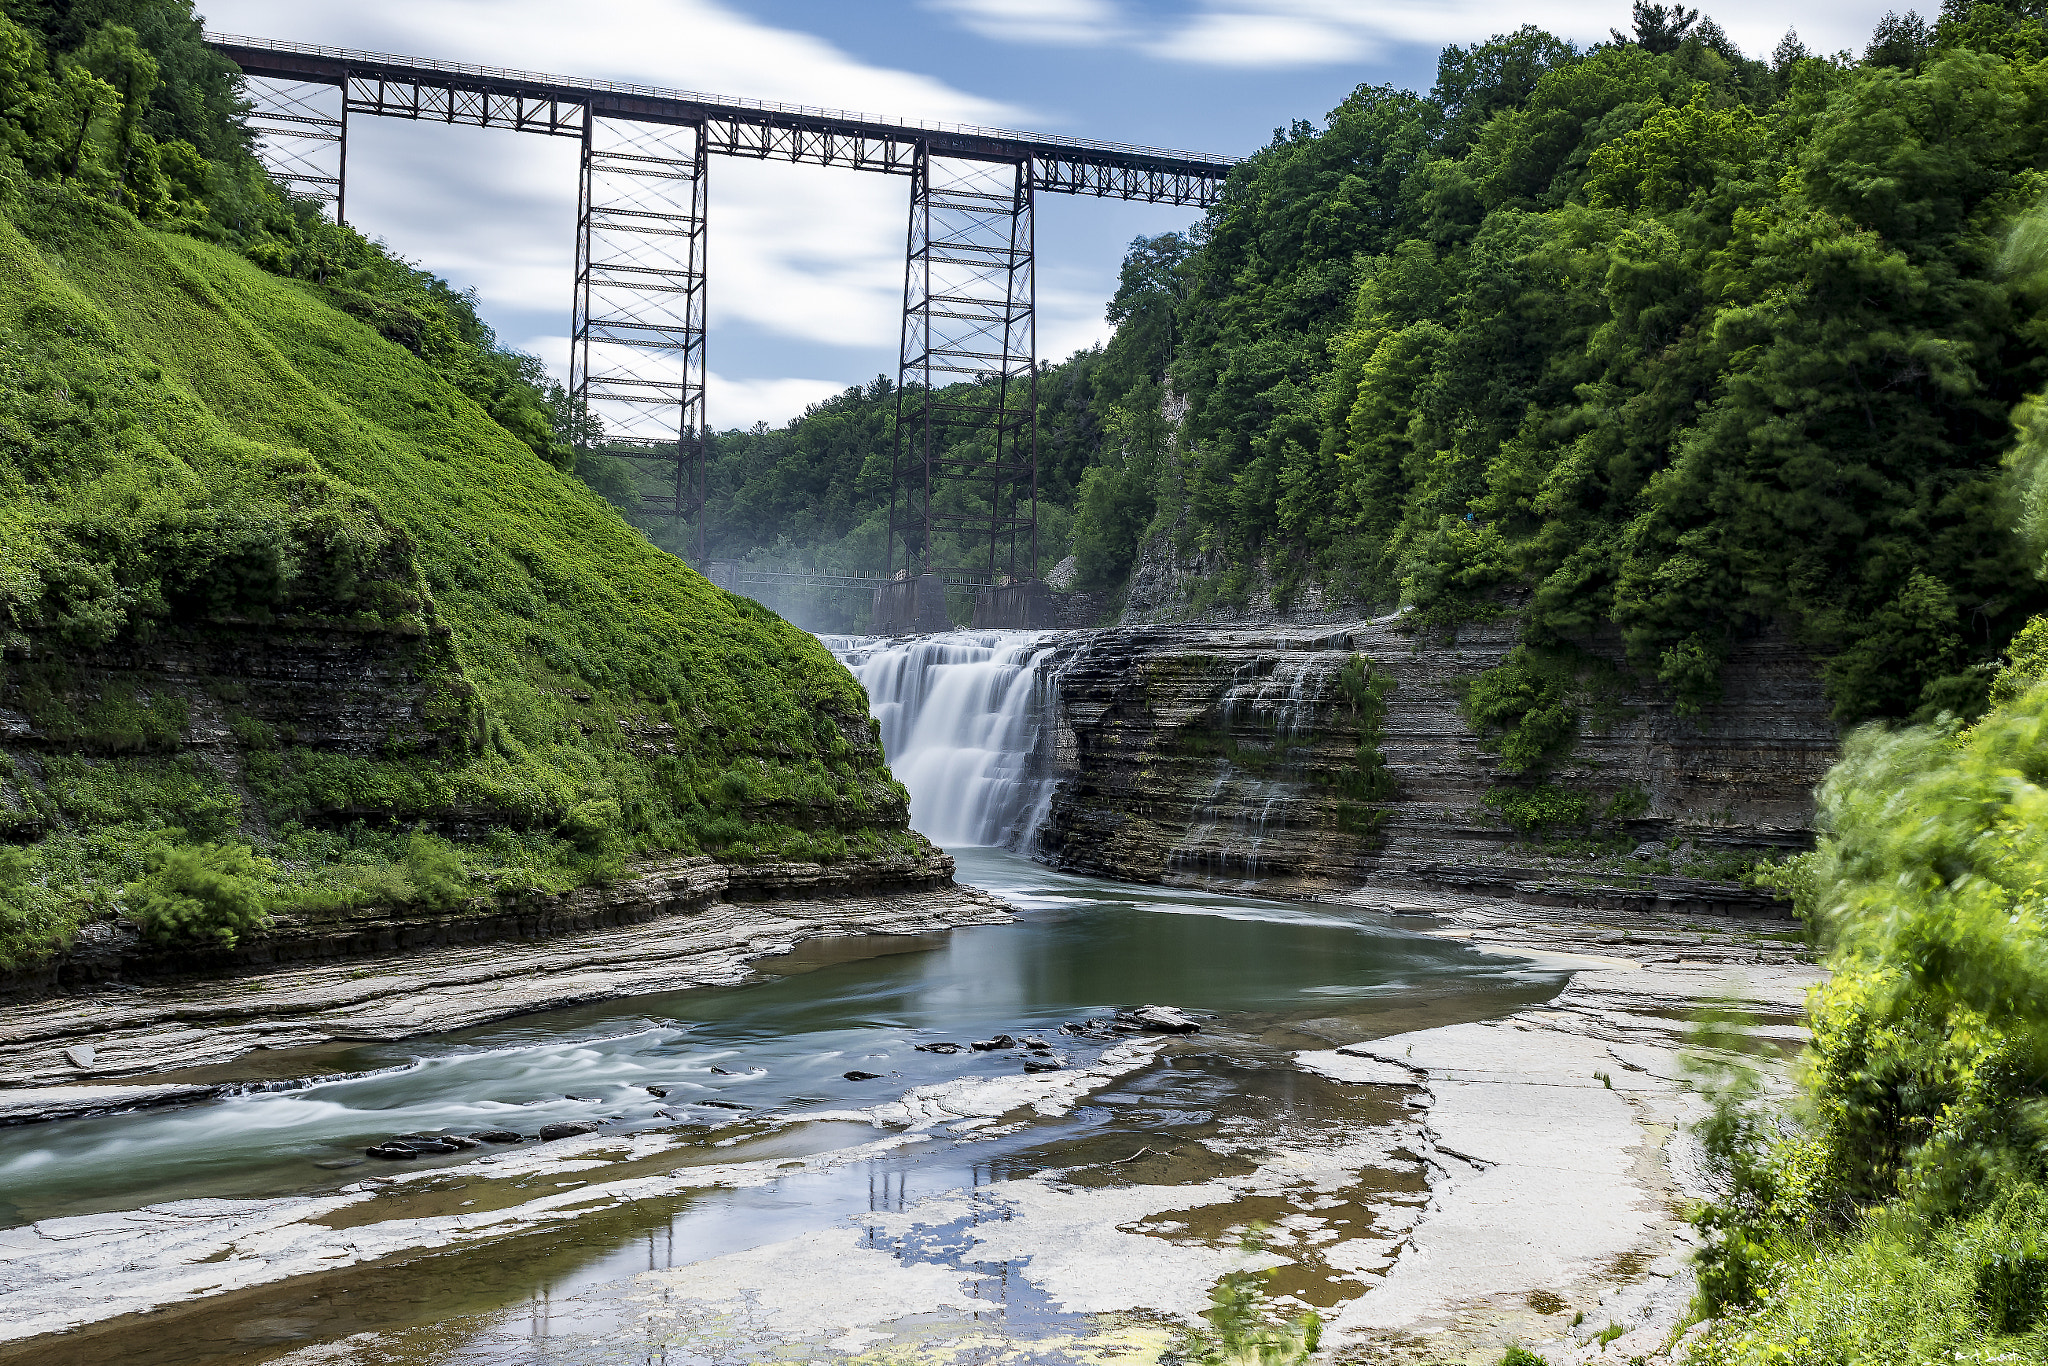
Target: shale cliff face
1239 755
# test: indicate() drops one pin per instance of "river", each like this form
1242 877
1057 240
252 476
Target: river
756 1075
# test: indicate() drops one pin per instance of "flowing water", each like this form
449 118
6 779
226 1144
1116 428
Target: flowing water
960 716
957 714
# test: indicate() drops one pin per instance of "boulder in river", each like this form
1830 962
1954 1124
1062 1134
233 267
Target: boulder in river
998 1043
723 1104
658 1092
569 1128
862 1076
392 1151
495 1136
1159 1020
939 1048
1045 1062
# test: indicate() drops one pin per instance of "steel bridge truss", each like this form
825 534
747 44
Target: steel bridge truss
301 130
967 378
965 463
636 342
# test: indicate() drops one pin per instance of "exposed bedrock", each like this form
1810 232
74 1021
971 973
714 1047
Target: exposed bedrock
1231 755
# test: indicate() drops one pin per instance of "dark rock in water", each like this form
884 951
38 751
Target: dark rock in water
392 1152
862 1076
1159 1020
720 1071
429 1143
571 1128
1045 1062
998 1043
663 1114
457 1141
1038 1045
723 1104
495 1136
592 1099
939 1048
658 1092
1098 1029
339 1163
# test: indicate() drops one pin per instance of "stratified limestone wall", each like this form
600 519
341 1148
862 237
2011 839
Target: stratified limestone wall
1219 754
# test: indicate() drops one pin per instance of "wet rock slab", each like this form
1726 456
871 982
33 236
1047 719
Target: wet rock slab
194 1023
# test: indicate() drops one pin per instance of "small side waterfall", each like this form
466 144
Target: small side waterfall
960 717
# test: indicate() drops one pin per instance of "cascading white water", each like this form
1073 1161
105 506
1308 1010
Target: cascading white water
960 716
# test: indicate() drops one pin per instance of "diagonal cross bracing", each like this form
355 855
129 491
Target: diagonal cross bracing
965 468
636 343
301 130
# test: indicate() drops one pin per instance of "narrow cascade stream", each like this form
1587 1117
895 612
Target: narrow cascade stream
960 717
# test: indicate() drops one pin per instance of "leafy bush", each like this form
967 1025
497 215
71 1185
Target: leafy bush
1538 808
436 872
1522 710
200 893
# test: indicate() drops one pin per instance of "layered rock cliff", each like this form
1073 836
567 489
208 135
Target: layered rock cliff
1246 754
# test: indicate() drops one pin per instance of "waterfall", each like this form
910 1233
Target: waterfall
960 716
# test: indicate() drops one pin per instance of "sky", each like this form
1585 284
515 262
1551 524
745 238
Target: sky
806 262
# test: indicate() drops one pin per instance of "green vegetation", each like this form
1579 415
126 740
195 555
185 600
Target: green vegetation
1652 338
1902 1213
1539 808
1246 1328
1666 339
226 427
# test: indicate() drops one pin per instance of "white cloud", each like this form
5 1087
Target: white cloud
810 252
743 402
1038 21
1263 40
696 45
1281 34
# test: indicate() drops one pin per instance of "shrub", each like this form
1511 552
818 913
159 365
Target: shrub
594 827
436 872
202 892
2010 1284
1522 710
1536 808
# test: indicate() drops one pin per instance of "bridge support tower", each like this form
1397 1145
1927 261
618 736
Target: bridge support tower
964 480
636 334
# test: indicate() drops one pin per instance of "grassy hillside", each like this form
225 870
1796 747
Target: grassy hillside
190 446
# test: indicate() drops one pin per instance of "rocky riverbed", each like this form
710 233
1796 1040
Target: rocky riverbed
1436 1180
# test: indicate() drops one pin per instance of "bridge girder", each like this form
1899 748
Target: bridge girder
637 352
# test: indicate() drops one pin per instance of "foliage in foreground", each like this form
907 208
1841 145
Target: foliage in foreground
1902 1214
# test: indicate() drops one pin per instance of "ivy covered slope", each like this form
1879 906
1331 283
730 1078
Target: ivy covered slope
292 626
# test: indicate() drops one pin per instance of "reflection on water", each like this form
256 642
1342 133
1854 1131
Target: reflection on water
1275 976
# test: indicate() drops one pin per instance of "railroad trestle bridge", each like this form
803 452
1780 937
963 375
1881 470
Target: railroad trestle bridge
638 316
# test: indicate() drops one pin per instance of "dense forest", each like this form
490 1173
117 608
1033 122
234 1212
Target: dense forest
1652 339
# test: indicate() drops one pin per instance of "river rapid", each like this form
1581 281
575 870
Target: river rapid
754 1079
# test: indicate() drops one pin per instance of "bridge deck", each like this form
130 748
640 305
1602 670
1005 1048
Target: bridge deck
526 101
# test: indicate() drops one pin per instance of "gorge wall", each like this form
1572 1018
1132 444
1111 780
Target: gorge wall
1230 754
